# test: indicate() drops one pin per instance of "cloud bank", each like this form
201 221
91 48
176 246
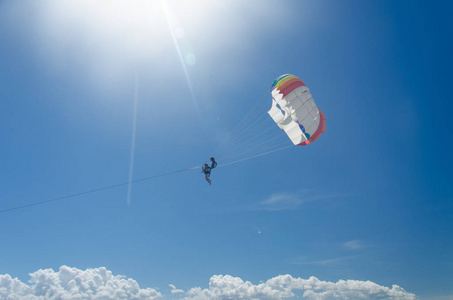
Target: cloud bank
100 283
286 286
72 283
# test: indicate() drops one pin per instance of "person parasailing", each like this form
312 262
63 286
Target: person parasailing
213 163
206 169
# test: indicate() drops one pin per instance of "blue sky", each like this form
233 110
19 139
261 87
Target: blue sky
371 200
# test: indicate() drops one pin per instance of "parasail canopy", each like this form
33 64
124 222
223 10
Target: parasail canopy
295 111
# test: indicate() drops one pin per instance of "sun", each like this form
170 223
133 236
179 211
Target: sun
123 29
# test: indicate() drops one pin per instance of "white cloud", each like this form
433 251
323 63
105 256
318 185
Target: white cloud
323 262
174 290
285 286
293 201
72 283
281 201
100 283
354 245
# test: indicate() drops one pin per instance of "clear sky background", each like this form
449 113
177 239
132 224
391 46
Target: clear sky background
97 93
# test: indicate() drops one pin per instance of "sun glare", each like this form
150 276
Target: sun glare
104 41
113 33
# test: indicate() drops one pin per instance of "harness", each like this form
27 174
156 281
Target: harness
207 170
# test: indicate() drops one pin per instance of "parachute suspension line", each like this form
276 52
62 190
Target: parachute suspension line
250 149
255 138
252 139
254 156
239 127
252 129
245 135
263 147
253 152
96 190
257 123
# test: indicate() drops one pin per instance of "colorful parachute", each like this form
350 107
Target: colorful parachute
294 110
